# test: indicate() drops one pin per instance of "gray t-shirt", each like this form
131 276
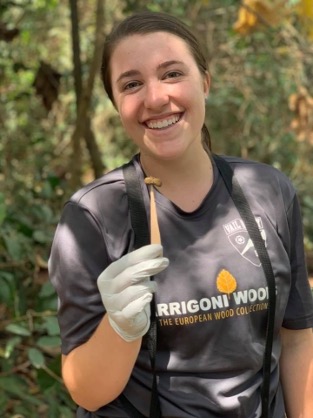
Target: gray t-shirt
212 299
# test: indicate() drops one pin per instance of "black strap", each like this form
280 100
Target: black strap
141 230
155 407
137 209
246 214
140 226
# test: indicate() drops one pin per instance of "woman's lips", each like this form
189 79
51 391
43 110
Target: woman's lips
164 122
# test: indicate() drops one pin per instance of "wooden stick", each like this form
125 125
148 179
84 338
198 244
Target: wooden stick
155 237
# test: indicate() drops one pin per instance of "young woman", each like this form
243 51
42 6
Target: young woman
210 292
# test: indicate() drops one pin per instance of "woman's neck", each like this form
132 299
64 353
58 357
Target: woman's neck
185 181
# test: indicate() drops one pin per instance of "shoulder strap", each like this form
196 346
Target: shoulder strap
247 216
140 226
137 209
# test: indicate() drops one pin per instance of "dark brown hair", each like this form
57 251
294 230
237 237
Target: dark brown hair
149 22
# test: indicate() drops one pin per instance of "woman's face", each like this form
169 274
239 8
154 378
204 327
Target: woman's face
159 93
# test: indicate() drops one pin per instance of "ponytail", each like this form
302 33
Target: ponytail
206 139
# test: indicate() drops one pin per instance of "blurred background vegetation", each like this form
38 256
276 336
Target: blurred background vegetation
58 131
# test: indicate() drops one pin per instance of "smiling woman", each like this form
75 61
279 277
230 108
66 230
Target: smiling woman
160 97
215 310
143 24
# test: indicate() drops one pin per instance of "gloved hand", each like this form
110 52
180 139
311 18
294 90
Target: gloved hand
126 290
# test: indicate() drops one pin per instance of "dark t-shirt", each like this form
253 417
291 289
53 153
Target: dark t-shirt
212 299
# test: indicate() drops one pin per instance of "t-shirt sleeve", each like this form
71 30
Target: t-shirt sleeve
78 256
299 311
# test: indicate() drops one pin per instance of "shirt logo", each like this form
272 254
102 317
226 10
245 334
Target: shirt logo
230 303
238 236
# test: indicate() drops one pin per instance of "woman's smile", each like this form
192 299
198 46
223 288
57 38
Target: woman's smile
162 123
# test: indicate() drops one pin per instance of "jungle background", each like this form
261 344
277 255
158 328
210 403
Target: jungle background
59 131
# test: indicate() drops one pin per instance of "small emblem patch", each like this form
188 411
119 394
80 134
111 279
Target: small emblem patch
238 236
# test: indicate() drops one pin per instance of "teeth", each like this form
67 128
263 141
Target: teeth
163 123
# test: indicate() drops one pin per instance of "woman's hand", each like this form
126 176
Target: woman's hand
126 290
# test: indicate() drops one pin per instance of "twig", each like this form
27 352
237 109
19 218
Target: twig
20 367
52 374
27 317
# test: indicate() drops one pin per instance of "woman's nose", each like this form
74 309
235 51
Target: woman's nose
156 95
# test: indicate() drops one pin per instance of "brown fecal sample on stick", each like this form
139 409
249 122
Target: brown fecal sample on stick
155 237
154 181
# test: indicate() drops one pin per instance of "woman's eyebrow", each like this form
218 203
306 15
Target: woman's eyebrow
166 64
129 73
133 73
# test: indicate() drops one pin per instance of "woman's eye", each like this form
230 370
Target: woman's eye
173 74
131 85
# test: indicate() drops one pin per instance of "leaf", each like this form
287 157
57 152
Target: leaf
255 12
52 326
18 330
13 245
10 345
53 341
305 11
245 22
45 380
7 286
41 237
17 387
36 358
47 290
226 283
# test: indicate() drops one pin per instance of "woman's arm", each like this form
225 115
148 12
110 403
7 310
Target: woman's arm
297 372
96 372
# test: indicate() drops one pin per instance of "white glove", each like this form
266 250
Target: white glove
126 290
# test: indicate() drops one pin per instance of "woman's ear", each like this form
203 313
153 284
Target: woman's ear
206 83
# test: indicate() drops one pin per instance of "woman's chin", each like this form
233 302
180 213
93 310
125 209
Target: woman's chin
166 151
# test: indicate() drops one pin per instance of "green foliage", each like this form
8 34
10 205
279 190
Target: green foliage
253 77
30 378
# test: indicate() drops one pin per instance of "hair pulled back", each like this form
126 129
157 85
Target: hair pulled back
144 23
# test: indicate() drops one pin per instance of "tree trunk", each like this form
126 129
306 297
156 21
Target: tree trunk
94 151
83 96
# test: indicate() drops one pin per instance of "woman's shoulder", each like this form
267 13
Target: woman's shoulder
110 183
239 164
109 186
262 176
103 198
245 167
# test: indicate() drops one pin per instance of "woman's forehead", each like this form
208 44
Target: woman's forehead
146 46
